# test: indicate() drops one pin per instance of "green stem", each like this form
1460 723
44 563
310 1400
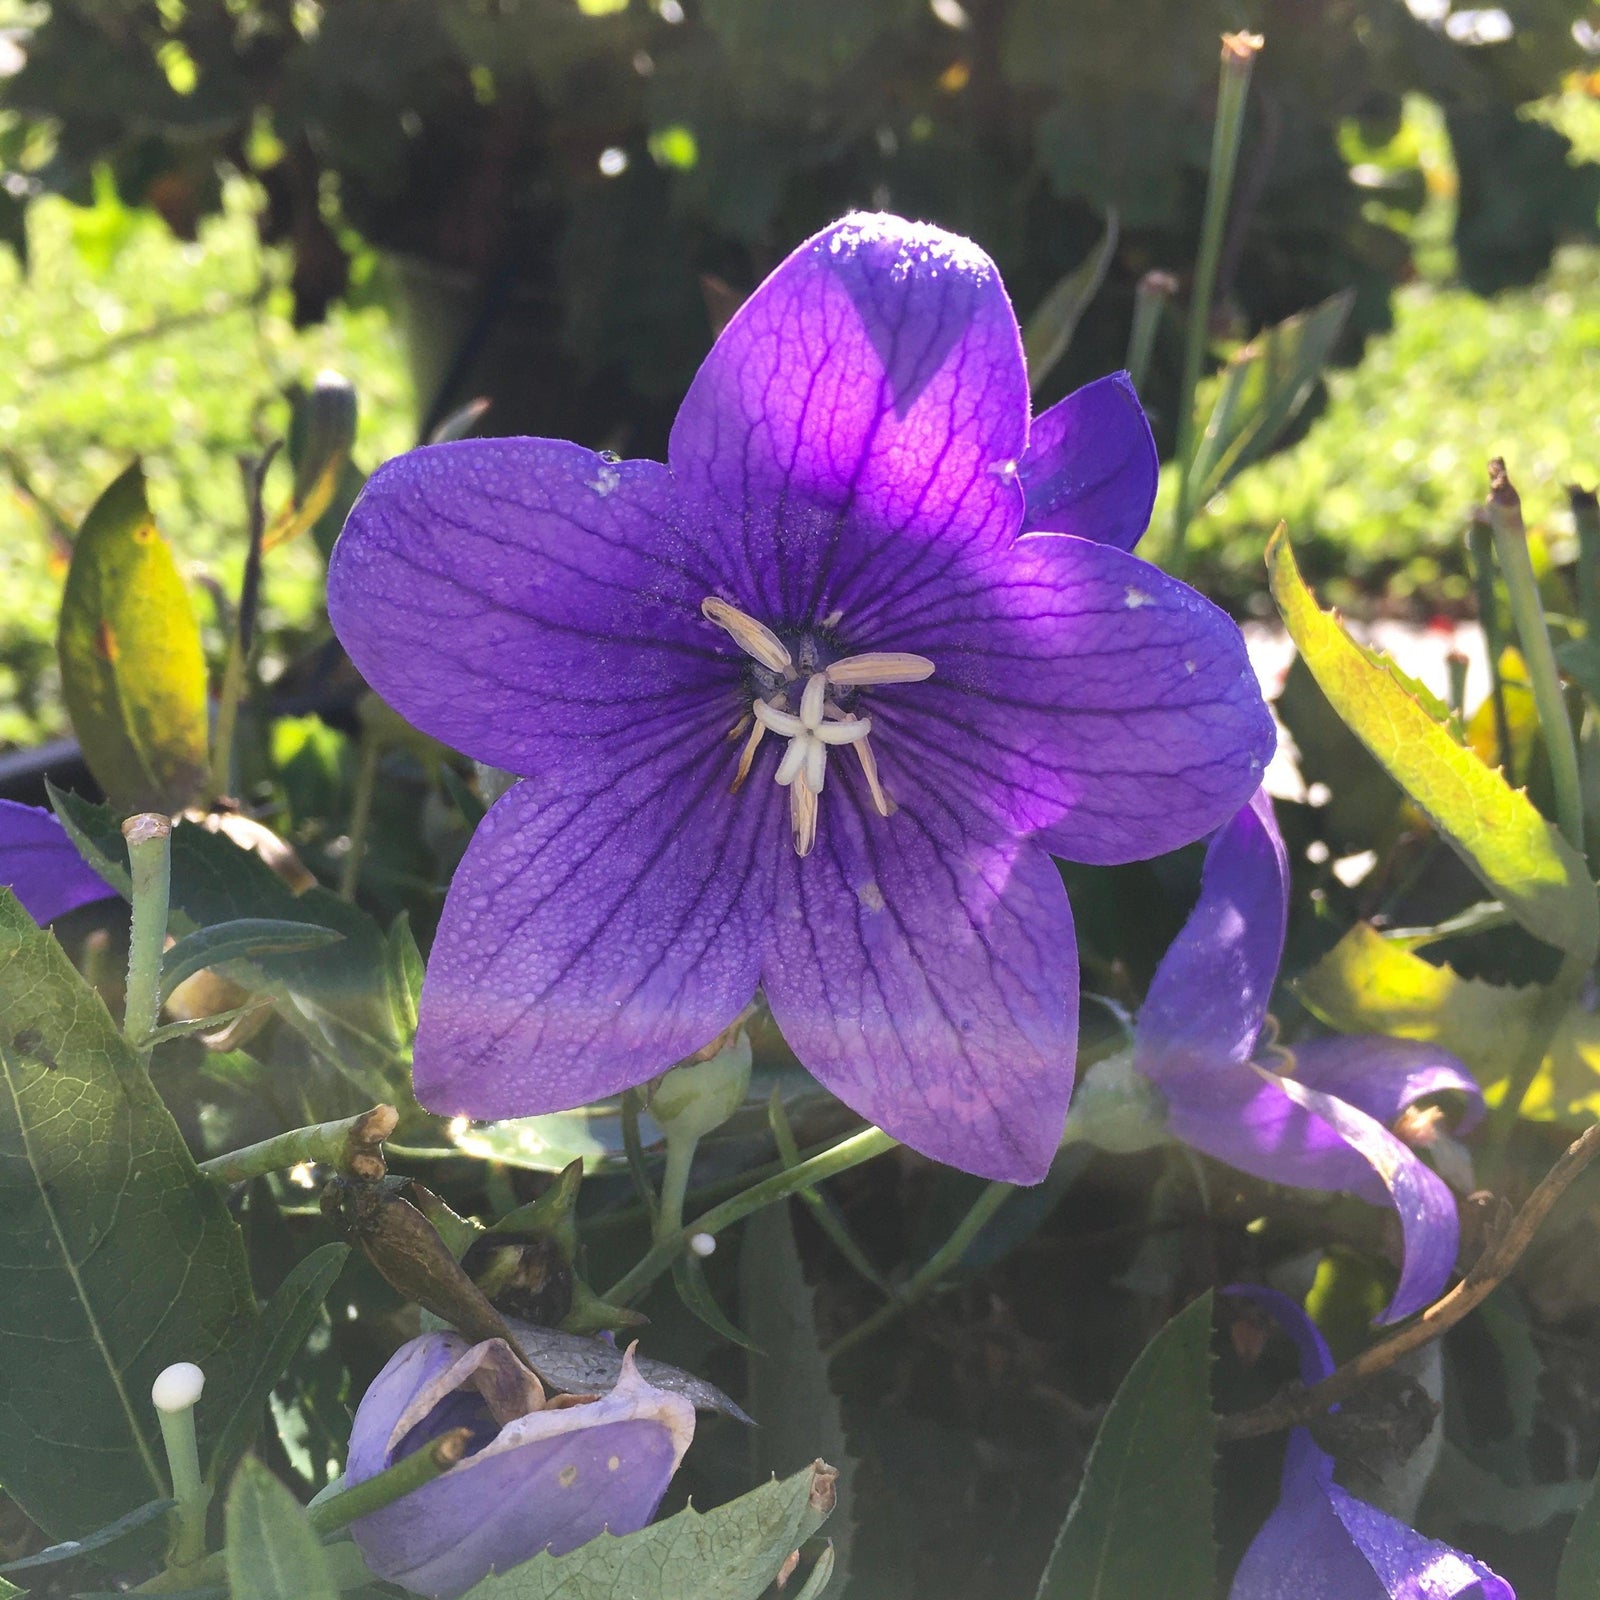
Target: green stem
188 1486
383 1488
674 1186
1149 301
1480 543
1238 57
360 817
1511 545
928 1276
829 1163
149 837
1586 514
350 1144
222 734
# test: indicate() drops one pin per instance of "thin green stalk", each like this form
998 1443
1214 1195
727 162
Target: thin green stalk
1149 301
1480 543
829 1163
1586 514
183 1462
928 1276
1238 58
149 837
1511 545
383 1488
351 1145
674 1187
360 817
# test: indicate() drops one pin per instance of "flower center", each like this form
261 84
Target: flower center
819 723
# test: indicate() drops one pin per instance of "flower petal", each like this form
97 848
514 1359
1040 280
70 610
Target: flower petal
1409 1566
1077 692
1209 996
877 377
597 931
528 602
41 866
929 979
1383 1076
1091 466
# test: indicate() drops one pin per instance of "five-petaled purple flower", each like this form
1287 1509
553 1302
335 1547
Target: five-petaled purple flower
1321 1543
41 866
540 1474
1322 1126
825 585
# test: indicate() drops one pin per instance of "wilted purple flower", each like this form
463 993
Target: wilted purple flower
824 585
41 866
540 1474
1324 1124
1323 1544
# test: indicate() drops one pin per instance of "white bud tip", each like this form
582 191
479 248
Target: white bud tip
178 1387
703 1244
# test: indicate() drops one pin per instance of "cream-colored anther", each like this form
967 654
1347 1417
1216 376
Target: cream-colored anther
756 639
879 667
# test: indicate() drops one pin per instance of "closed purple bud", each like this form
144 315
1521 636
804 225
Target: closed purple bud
540 1473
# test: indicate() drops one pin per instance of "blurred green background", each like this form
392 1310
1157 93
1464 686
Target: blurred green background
544 201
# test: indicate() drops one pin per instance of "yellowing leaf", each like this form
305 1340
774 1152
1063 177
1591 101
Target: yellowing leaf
1542 881
132 672
1369 984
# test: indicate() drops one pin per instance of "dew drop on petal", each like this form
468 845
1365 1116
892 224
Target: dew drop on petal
605 480
1134 598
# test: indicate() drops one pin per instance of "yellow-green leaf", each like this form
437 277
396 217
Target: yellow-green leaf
1543 882
132 671
1369 984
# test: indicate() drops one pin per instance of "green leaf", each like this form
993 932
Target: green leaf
1578 1577
1141 1523
790 1396
272 1551
190 1026
239 940
1051 327
730 1553
820 1577
132 672
1543 882
689 1279
285 1323
100 1539
336 999
405 971
1369 984
119 1258
1262 389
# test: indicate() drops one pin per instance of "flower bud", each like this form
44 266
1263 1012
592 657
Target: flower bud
321 434
539 1474
691 1100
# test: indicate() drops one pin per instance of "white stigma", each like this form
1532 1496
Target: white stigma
177 1387
819 725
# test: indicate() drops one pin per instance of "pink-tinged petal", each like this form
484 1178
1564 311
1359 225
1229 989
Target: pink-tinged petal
1091 465
875 379
929 978
535 1479
1280 1130
525 601
1077 692
41 866
1384 1076
598 931
1209 996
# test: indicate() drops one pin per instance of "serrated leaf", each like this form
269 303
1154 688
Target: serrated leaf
1142 1520
1369 984
730 1553
1543 882
117 1258
243 939
336 998
1261 391
1050 329
273 1553
285 1322
133 674
794 1404
190 1026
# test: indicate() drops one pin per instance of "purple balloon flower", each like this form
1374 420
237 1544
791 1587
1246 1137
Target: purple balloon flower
1325 1125
540 1474
41 866
1323 1544
824 585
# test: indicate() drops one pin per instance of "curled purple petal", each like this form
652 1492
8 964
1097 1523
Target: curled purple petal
1409 1566
538 1476
1383 1076
597 932
1091 465
1209 996
41 866
930 982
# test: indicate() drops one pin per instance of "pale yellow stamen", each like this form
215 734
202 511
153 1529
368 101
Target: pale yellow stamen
803 817
880 667
747 755
756 639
